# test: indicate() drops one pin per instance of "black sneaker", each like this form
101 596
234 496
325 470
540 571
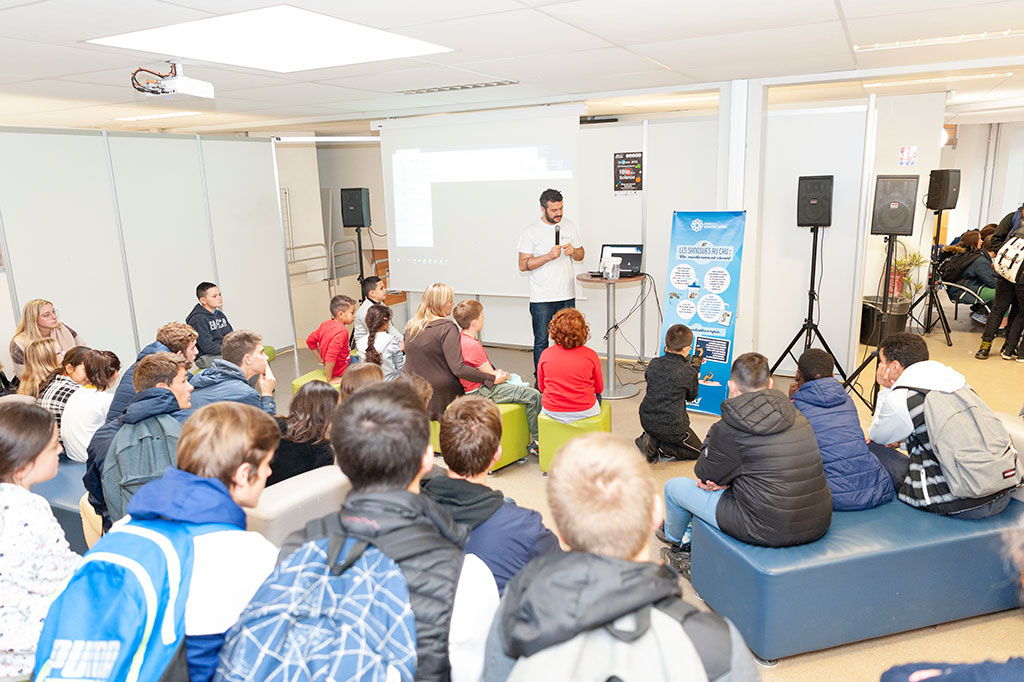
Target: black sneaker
1005 354
986 348
677 559
660 534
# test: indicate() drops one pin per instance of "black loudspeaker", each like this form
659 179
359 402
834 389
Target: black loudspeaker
895 201
943 189
355 207
814 201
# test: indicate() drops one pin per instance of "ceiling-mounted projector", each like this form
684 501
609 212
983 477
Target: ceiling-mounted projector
170 84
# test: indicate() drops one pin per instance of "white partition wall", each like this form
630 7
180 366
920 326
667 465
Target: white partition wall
61 231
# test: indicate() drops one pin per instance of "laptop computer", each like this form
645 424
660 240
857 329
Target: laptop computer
631 254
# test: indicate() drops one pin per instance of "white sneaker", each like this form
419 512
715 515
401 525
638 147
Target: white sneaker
979 318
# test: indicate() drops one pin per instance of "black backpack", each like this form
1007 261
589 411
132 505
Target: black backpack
952 269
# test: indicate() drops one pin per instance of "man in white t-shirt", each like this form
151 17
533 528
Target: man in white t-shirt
549 262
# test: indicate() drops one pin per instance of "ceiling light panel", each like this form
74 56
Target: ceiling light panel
282 39
941 79
941 40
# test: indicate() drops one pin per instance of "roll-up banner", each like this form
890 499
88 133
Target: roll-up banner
702 293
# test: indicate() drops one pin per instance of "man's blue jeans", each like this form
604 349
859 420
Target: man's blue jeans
542 314
683 501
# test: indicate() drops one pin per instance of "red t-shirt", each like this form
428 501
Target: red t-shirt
474 355
322 336
569 380
337 351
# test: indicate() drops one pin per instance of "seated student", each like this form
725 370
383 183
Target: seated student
160 387
173 337
41 358
425 391
321 339
35 559
899 416
86 409
855 476
469 315
381 437
224 455
374 293
228 377
569 373
209 322
39 321
505 535
556 616
671 382
363 374
760 477
380 346
304 442
64 381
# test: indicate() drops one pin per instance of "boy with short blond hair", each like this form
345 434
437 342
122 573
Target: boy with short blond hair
469 315
567 615
671 383
505 536
330 340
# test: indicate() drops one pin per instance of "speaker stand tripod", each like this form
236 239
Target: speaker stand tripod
810 330
931 293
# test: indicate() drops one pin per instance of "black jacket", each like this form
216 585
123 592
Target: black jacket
670 383
211 327
766 452
292 458
1003 229
421 537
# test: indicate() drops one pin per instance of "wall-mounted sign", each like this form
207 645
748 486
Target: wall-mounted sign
908 156
629 171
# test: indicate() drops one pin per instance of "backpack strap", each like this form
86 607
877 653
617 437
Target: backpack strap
404 543
335 544
708 632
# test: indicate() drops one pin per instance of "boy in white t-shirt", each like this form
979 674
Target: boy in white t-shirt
552 284
374 293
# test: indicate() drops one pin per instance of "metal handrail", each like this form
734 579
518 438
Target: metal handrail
344 257
321 257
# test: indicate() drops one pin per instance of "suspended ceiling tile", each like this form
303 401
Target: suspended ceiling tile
854 9
1009 47
388 105
774 66
83 92
908 26
568 65
499 94
42 60
414 79
301 93
70 21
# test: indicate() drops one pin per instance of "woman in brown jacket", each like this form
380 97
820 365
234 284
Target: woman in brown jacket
433 351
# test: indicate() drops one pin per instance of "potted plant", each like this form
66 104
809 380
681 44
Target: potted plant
903 282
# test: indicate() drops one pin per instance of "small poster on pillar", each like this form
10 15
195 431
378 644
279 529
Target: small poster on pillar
702 293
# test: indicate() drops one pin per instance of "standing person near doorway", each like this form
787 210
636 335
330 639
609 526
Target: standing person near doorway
546 250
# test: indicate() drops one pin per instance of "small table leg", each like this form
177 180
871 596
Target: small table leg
611 390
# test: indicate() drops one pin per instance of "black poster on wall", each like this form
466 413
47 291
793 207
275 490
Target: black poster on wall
629 171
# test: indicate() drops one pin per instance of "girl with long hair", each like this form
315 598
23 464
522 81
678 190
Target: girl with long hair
39 321
86 409
380 347
41 357
304 445
63 381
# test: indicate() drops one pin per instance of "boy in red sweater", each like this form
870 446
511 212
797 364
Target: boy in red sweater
330 340
569 373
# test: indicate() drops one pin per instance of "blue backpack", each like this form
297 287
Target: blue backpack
337 608
122 615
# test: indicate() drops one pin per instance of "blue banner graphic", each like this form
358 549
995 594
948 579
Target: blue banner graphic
702 293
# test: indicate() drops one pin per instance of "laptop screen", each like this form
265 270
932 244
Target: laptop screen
608 250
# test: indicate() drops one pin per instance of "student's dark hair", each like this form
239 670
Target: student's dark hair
549 195
971 239
470 434
369 284
378 317
466 311
815 363
341 302
421 387
750 372
986 243
203 287
358 376
678 337
239 343
74 357
101 368
25 430
157 368
379 436
904 348
310 412
987 230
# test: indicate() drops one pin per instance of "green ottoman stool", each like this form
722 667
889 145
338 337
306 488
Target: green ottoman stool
554 434
315 375
515 434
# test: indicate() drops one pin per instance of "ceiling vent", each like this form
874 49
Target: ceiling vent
455 88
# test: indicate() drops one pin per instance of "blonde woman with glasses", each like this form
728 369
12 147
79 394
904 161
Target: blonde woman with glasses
39 321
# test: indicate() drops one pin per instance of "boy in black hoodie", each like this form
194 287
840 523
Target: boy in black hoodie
209 322
671 382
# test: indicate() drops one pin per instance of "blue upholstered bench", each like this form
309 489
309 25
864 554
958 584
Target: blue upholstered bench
876 572
63 492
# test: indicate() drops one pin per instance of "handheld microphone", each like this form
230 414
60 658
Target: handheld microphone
557 242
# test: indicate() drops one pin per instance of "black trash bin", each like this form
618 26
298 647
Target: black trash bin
871 318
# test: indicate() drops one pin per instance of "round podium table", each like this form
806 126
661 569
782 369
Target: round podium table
612 390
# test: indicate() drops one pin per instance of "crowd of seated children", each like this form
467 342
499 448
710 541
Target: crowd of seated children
35 559
162 388
305 432
63 381
86 410
39 321
173 337
379 346
362 374
504 535
227 378
374 293
469 315
381 437
672 381
40 358
760 476
569 616
569 373
433 350
210 323
330 340
854 475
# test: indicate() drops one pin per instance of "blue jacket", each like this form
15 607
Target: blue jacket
148 403
854 475
224 381
126 389
186 498
979 274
